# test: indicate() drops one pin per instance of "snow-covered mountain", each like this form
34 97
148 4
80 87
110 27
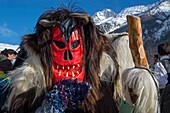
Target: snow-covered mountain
155 19
108 21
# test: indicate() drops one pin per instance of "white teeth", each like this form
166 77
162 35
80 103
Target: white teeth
77 72
73 74
67 74
59 73
68 67
63 67
78 65
73 33
73 67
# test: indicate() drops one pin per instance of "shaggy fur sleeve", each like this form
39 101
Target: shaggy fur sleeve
108 69
27 82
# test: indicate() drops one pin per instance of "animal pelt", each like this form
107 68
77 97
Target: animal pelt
30 81
120 43
141 90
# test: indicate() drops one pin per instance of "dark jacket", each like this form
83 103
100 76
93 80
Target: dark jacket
6 65
165 100
166 64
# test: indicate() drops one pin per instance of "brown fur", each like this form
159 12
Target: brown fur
95 45
27 107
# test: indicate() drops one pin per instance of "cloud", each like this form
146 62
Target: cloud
6 32
8 36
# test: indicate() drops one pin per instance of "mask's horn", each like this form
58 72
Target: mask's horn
85 17
47 23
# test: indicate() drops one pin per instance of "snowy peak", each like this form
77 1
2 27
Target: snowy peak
102 15
163 6
133 10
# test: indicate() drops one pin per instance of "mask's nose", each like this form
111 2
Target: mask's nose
68 55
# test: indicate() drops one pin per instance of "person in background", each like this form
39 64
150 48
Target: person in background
3 54
165 98
156 58
6 64
161 71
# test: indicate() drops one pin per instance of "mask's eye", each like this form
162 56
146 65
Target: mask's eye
75 44
60 44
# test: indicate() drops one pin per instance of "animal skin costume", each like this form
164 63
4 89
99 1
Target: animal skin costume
65 49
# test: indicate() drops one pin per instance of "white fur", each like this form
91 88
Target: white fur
143 85
124 56
107 67
120 43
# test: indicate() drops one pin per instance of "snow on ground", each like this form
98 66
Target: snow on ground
8 46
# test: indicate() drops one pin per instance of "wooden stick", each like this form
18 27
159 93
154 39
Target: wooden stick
136 42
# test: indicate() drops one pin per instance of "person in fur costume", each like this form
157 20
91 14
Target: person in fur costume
67 57
137 87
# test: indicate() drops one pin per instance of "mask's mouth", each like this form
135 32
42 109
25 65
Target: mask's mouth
71 71
61 72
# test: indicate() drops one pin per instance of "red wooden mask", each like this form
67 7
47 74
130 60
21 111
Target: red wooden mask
67 55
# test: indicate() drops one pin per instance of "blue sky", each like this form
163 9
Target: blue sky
18 17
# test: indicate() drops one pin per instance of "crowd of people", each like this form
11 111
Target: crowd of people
162 74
